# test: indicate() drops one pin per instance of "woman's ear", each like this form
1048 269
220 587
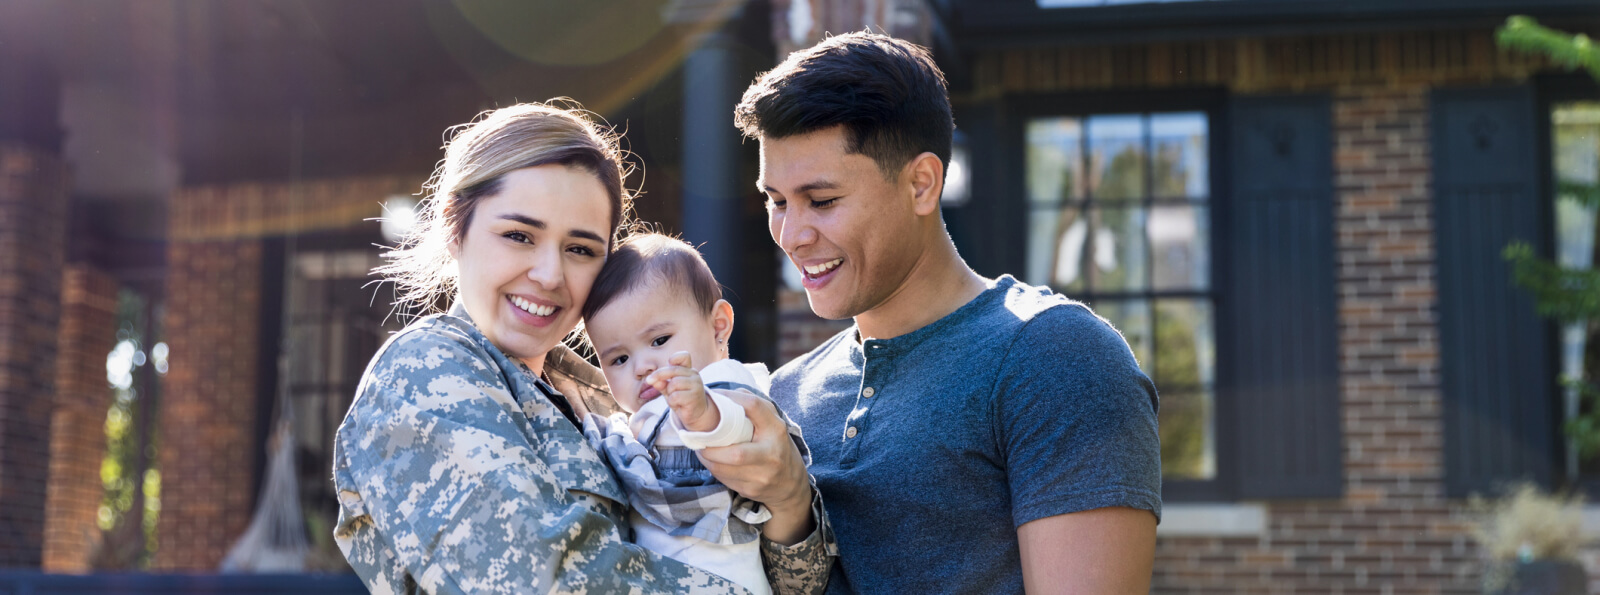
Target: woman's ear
722 324
927 182
454 247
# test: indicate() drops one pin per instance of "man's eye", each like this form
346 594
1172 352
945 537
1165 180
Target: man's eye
621 359
661 340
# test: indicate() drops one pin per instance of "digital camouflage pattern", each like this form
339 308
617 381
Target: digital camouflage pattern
456 475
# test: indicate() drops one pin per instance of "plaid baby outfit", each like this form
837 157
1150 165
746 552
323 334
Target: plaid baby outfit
666 483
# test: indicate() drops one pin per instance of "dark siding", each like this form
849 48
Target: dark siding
1497 383
1282 299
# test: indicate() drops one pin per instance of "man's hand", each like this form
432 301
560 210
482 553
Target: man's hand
768 469
685 392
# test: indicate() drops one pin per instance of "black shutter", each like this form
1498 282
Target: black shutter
1281 299
1498 386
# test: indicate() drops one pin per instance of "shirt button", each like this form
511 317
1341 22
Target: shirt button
850 432
867 392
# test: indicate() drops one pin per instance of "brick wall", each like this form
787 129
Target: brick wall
33 205
77 441
208 410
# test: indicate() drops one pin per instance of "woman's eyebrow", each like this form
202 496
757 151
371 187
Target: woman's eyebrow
524 219
582 234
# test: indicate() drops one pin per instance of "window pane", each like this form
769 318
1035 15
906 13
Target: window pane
1575 136
1117 157
1055 160
1132 318
1180 244
1120 260
1056 240
1188 442
1179 167
1185 356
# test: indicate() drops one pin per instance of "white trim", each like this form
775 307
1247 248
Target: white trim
1591 521
1225 520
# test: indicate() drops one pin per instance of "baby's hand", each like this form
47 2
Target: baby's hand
685 393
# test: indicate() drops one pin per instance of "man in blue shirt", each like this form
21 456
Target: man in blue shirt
967 434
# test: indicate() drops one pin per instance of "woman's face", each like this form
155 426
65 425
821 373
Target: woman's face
529 256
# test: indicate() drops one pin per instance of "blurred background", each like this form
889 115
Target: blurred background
1296 211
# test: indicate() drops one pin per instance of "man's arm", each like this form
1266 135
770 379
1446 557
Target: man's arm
1077 424
1105 550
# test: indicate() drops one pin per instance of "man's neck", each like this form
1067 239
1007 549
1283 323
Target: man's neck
939 283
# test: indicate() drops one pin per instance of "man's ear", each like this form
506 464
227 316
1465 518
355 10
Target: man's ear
927 183
722 324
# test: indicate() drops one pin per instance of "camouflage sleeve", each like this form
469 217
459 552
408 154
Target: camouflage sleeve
802 568
462 502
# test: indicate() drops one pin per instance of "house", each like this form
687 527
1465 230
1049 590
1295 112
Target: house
1294 211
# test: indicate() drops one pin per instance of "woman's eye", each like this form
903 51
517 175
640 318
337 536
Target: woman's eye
621 359
581 250
773 203
661 340
823 204
518 237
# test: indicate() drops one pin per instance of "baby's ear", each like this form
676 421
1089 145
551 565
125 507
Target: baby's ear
722 321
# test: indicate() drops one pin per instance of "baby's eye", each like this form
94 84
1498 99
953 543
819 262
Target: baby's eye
661 340
619 360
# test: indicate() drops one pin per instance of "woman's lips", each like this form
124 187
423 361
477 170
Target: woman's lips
530 318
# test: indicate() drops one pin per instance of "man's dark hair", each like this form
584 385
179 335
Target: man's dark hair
887 93
648 257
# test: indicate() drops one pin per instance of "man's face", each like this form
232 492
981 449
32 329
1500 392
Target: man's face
851 232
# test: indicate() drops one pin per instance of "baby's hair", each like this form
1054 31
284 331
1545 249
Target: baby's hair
650 257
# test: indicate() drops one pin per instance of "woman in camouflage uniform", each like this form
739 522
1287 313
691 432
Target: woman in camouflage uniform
460 467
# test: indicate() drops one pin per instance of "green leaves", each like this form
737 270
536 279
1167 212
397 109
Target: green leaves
1571 51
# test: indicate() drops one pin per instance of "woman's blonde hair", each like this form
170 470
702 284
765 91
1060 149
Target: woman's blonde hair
476 158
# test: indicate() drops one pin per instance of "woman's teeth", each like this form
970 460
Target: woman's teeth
533 308
815 270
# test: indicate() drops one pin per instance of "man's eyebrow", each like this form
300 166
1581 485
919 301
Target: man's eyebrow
807 187
583 234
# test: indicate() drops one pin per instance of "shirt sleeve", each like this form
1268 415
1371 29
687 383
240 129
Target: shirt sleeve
733 428
1076 419
458 497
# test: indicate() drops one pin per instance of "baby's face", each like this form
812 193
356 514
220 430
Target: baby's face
640 329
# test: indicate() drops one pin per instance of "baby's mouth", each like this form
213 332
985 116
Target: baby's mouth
648 393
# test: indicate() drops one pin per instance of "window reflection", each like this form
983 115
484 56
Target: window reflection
1119 217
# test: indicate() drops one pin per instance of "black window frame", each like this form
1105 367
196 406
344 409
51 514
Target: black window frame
1014 114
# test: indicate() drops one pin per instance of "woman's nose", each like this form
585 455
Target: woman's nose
544 268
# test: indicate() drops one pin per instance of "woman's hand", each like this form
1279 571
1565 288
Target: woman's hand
685 392
768 469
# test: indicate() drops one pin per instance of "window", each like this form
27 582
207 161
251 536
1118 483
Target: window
1575 161
1119 215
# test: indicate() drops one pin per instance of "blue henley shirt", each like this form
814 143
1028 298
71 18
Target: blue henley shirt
931 448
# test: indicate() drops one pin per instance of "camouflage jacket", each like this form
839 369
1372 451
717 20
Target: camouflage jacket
455 474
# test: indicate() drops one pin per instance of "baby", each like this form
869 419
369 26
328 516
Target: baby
657 320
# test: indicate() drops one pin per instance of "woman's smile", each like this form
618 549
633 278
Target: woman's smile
532 311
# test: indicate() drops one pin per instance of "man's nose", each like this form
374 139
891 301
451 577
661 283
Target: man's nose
794 230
